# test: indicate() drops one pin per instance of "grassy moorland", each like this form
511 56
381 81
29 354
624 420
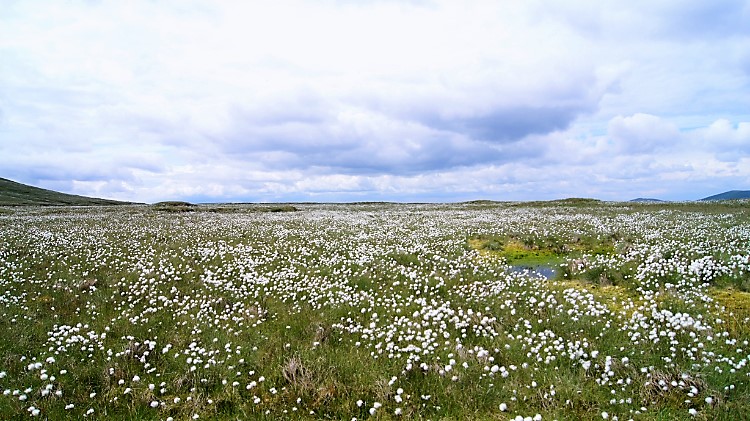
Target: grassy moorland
376 311
17 194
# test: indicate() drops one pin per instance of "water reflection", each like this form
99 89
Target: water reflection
542 271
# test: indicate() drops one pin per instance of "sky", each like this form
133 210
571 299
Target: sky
368 100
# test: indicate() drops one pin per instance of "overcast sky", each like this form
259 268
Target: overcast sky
334 100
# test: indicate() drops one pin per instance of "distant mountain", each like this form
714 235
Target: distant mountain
646 200
729 195
17 194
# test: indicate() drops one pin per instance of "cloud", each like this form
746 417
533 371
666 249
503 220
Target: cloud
425 99
698 21
656 137
682 21
508 125
359 142
642 133
728 142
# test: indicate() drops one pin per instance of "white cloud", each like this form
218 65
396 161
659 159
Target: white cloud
725 139
642 133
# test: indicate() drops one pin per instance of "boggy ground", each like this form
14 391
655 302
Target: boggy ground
376 311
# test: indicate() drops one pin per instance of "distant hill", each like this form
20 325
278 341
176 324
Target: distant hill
646 200
729 195
17 194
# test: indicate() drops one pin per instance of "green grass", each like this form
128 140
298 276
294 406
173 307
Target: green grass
531 250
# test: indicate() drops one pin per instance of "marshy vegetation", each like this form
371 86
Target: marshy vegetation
370 311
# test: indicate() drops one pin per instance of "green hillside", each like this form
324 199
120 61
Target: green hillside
730 195
17 194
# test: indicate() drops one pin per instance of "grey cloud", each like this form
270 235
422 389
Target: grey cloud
509 124
356 155
373 145
497 110
289 136
67 174
49 168
406 157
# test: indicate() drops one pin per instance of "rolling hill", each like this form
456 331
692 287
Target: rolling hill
17 194
729 195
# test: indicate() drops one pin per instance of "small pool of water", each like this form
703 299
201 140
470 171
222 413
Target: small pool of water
542 271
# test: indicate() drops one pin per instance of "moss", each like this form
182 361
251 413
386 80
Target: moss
533 251
614 296
520 254
733 300
737 309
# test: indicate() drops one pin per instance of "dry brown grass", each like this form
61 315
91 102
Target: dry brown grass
299 377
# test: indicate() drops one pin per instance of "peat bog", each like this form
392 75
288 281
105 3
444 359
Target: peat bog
376 311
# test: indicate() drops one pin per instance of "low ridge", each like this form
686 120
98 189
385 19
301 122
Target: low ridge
17 194
646 200
729 195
